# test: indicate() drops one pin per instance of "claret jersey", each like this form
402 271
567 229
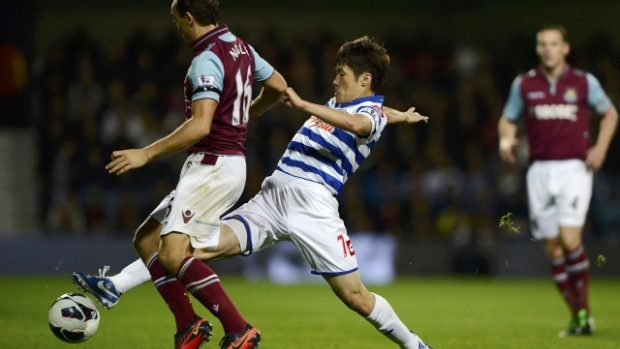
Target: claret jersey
224 69
557 111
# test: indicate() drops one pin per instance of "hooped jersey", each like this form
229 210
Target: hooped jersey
557 111
224 69
328 155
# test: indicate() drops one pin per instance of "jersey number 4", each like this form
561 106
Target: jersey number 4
243 98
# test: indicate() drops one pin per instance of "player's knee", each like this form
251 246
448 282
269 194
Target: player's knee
145 244
146 238
170 260
554 248
571 243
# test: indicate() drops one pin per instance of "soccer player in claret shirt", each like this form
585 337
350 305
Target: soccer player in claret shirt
556 100
218 95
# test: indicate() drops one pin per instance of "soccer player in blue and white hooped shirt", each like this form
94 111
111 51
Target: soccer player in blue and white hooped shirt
556 101
298 202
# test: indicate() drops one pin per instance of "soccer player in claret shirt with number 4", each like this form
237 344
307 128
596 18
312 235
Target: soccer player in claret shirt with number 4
556 101
218 95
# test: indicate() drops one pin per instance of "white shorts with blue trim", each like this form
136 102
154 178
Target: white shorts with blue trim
559 193
300 211
203 194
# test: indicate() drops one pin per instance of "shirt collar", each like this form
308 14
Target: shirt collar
373 98
208 37
564 72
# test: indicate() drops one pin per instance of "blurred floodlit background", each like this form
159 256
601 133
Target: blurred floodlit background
81 79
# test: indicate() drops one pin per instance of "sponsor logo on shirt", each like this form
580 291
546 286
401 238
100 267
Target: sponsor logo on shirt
556 112
316 122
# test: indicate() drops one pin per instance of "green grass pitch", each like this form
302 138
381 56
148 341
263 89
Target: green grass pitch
446 312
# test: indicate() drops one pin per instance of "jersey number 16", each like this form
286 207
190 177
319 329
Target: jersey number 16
243 98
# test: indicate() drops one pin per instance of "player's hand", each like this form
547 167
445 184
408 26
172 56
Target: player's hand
411 116
292 99
595 158
125 160
506 150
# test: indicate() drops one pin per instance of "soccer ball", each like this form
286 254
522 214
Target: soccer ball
73 317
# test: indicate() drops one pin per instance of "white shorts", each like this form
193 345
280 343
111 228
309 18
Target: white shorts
300 211
202 195
559 193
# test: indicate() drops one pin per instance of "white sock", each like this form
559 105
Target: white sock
387 322
133 275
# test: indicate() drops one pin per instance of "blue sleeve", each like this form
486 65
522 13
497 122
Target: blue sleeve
206 76
263 69
514 105
597 98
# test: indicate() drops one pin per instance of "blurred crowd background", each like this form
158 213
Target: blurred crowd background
86 96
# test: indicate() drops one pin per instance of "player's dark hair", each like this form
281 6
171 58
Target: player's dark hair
204 11
557 27
363 55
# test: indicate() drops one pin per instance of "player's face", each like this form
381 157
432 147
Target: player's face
179 21
551 48
347 86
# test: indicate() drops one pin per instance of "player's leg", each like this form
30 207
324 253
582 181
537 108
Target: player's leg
374 308
202 281
228 246
171 290
555 253
191 329
203 194
578 265
146 239
542 190
578 270
318 232
573 203
146 243
175 294
250 228
108 289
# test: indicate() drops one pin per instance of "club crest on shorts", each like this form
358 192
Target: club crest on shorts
187 216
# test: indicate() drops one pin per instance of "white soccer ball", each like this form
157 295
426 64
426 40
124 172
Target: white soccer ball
73 317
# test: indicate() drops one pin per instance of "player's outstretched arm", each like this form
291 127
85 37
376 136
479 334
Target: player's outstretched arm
598 152
272 90
358 124
190 132
507 131
410 116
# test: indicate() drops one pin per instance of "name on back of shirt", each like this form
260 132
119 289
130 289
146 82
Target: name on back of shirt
238 50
